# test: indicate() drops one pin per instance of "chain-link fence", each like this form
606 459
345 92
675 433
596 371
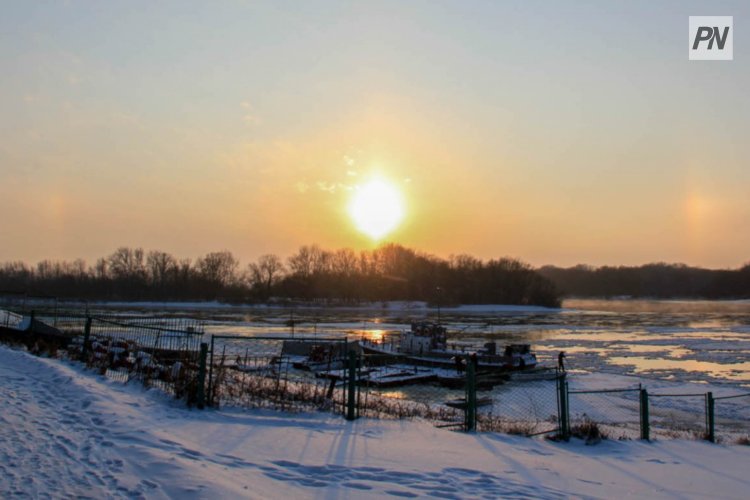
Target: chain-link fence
636 412
332 374
525 405
461 396
731 417
163 353
616 411
157 352
389 387
678 415
291 374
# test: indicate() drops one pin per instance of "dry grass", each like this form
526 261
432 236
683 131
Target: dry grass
588 430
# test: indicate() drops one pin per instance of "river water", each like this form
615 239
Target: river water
687 341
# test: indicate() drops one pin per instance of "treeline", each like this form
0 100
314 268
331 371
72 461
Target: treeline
651 280
391 272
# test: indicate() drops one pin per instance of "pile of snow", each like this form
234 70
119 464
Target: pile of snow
67 433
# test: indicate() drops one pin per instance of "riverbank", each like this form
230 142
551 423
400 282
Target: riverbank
67 433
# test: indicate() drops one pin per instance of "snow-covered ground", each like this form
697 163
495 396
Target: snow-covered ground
66 433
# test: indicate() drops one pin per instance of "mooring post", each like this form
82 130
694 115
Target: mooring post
710 421
645 424
201 396
86 339
471 395
351 386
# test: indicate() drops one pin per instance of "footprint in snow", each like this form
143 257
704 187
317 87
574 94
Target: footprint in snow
285 463
402 494
357 486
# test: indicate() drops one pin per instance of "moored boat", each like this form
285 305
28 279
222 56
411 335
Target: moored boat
426 344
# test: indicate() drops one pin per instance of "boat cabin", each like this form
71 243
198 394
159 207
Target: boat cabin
424 337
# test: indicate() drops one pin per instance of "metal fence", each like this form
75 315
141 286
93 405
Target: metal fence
163 353
396 388
618 410
332 374
526 404
730 416
291 374
462 397
636 412
679 414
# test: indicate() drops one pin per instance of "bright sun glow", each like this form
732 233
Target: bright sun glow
376 208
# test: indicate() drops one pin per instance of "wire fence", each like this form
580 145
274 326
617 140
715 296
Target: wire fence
389 387
732 416
272 372
523 405
680 415
616 410
332 374
157 352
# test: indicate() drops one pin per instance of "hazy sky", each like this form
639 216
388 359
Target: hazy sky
557 132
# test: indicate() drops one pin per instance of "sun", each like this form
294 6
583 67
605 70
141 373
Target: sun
376 208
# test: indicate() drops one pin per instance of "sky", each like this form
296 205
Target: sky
555 132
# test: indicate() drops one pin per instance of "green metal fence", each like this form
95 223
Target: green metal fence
680 414
462 397
283 373
162 353
331 374
618 410
525 405
728 416
157 352
636 412
404 389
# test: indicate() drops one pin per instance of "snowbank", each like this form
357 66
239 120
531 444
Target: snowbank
67 433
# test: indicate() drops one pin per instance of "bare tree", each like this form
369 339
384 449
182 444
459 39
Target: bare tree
127 263
161 266
218 267
101 269
344 262
266 272
301 263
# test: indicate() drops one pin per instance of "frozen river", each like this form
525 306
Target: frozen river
686 341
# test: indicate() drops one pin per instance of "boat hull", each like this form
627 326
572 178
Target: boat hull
443 359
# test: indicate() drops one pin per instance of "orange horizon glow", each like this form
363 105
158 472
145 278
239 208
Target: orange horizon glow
563 153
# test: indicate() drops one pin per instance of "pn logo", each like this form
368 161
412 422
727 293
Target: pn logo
710 38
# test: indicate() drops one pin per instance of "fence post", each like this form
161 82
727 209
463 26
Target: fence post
86 339
351 386
201 396
210 390
30 329
470 417
645 424
564 410
710 422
